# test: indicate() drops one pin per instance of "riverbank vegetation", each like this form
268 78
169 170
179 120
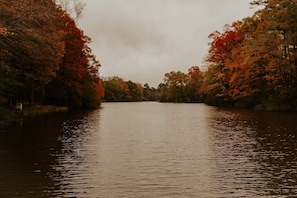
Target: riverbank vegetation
8 115
45 57
252 63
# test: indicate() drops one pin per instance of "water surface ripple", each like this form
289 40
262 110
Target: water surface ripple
153 150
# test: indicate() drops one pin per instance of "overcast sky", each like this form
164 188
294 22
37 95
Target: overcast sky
141 40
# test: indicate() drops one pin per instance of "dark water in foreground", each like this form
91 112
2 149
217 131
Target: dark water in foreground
151 150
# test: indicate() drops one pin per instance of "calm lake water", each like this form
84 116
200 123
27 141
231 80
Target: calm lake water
151 149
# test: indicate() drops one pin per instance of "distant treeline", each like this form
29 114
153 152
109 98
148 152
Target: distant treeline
177 87
45 57
118 90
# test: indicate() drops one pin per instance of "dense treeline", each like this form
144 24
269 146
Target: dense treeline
44 56
254 60
253 63
118 90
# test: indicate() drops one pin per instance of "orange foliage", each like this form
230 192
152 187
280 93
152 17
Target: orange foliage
223 43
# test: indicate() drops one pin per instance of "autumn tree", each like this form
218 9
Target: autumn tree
245 79
77 83
221 52
31 45
135 90
176 83
181 87
162 93
277 33
212 89
93 86
194 84
149 93
116 89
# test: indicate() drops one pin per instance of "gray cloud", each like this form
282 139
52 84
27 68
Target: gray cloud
141 40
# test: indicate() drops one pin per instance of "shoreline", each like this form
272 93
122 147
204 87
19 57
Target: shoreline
8 115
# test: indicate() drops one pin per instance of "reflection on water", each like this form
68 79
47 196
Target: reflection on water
151 150
263 145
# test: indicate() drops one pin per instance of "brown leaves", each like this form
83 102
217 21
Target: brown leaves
3 31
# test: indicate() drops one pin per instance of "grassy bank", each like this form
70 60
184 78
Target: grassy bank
9 115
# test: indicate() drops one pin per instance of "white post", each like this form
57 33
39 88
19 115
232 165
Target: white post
19 106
